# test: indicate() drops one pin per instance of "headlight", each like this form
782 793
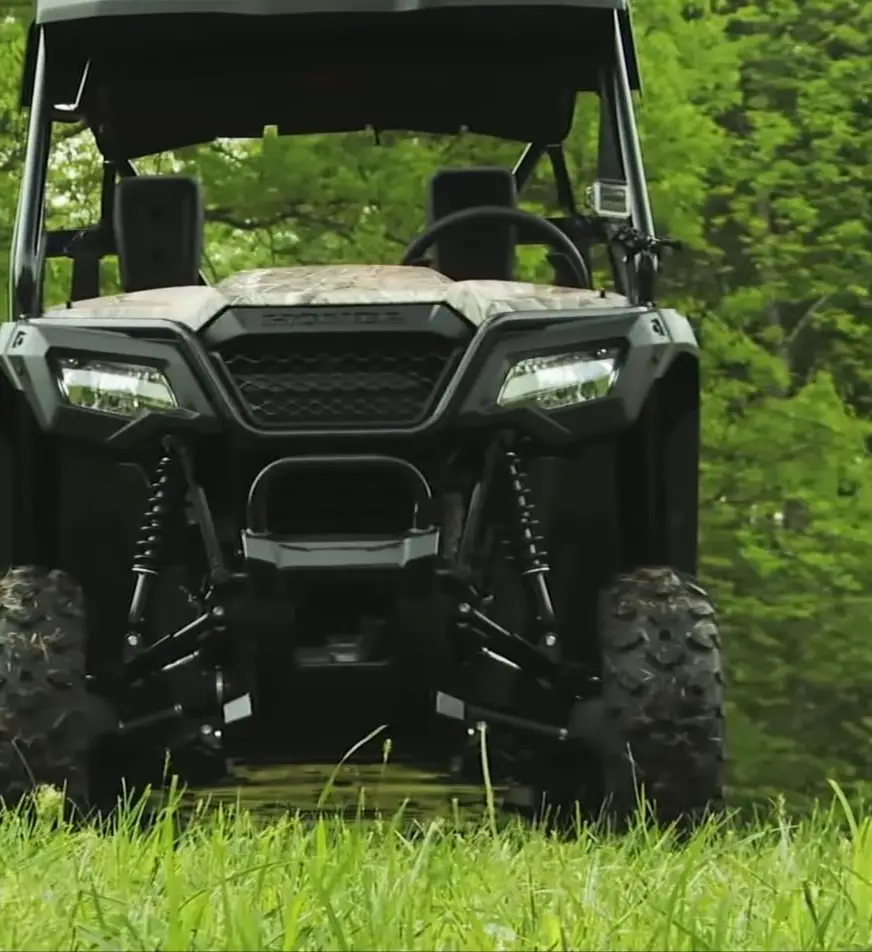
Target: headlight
112 387
560 380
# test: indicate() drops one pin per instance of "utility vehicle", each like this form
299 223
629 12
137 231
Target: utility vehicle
283 509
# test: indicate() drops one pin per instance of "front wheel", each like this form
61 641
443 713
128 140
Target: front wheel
48 719
663 698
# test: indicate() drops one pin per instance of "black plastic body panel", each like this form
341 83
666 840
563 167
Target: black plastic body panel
29 349
337 342
350 557
617 479
652 341
331 318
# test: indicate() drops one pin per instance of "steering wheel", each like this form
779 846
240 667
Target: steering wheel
551 235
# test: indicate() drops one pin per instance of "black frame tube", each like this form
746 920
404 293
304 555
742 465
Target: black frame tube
562 180
256 519
628 136
526 163
25 265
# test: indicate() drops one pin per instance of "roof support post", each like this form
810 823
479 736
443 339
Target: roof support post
25 266
628 137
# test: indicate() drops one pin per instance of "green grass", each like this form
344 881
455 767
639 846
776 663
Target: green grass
226 880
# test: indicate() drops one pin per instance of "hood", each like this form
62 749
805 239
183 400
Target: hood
478 301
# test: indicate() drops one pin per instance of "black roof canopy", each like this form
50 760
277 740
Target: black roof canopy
54 11
151 75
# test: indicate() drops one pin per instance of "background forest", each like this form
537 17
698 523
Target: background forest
758 136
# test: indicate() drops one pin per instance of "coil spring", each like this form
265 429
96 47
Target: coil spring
532 554
164 493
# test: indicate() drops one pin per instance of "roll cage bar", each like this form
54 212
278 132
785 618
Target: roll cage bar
619 161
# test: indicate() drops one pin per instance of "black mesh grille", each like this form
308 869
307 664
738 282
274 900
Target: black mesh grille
389 379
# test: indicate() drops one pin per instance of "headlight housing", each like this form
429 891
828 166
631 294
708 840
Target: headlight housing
561 380
114 386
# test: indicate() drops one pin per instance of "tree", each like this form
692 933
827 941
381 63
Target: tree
794 209
786 539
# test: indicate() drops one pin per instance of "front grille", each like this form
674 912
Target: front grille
335 379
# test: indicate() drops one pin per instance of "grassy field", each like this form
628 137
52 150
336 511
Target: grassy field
227 880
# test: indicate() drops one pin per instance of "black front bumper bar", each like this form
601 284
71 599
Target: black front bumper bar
265 550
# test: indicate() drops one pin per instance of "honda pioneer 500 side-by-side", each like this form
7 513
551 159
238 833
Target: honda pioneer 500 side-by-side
289 507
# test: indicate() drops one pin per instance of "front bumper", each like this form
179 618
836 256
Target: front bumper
463 395
266 551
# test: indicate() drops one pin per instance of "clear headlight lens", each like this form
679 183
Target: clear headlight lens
561 380
121 388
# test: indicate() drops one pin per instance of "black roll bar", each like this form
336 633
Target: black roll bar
25 265
628 139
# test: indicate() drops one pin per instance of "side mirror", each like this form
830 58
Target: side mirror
610 200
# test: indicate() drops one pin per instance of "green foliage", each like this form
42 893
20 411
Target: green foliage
758 139
786 539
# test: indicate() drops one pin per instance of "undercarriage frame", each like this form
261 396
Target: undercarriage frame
183 688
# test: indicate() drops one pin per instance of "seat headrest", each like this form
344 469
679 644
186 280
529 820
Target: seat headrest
479 250
158 223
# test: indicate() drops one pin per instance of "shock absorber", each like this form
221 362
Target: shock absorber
165 494
531 556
